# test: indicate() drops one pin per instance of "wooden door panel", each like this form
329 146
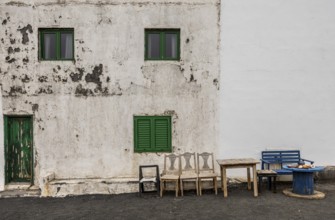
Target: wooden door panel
19 149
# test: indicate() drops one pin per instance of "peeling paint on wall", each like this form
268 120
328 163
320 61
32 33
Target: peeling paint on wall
24 31
83 109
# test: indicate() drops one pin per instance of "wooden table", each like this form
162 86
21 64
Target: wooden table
238 163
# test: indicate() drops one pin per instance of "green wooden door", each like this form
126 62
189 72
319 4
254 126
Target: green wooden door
18 149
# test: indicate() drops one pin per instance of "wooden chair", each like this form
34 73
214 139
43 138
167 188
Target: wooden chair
206 170
148 174
188 170
170 172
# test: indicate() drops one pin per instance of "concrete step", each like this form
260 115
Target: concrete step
20 190
20 193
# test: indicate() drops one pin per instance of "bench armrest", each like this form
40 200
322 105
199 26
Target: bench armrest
265 161
311 161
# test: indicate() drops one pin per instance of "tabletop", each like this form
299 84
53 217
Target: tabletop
303 170
238 161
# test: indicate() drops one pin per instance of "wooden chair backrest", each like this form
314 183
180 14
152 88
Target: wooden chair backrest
171 164
205 162
188 162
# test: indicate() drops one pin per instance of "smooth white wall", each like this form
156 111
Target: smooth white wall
278 78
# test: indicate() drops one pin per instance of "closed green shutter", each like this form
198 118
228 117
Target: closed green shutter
143 134
152 133
162 133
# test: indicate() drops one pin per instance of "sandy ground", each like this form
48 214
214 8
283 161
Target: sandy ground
240 204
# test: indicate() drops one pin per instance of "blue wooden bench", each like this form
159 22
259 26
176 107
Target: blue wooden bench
282 157
278 158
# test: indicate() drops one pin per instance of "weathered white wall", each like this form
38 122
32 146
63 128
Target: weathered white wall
2 159
83 110
278 78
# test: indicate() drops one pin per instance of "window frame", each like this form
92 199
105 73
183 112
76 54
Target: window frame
152 148
162 43
58 32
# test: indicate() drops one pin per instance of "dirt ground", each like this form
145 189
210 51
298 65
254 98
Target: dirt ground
240 204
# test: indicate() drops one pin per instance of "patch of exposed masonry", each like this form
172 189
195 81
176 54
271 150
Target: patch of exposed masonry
34 107
94 77
76 77
15 90
24 31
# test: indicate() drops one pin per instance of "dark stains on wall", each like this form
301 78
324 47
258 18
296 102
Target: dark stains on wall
216 83
25 60
16 3
34 107
24 31
76 77
46 90
25 79
95 76
10 50
4 22
82 91
192 78
10 60
15 90
43 79
58 78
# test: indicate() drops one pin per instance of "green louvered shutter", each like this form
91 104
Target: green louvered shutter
143 134
152 133
162 134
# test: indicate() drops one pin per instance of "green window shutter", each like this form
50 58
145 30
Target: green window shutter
143 134
152 134
162 134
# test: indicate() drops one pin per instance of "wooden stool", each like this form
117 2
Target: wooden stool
272 177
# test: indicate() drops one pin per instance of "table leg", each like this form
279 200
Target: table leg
221 171
254 177
303 183
224 180
249 182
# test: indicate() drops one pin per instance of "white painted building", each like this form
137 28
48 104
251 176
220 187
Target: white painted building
233 77
81 72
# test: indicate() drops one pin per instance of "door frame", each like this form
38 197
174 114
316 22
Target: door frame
5 120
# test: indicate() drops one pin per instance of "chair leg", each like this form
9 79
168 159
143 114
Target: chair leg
274 184
260 184
200 186
177 189
197 186
161 188
139 189
215 180
269 183
158 187
181 188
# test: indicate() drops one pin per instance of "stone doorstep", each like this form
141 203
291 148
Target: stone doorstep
20 190
20 193
17 186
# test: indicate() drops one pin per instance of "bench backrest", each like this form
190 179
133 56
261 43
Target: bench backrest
281 157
